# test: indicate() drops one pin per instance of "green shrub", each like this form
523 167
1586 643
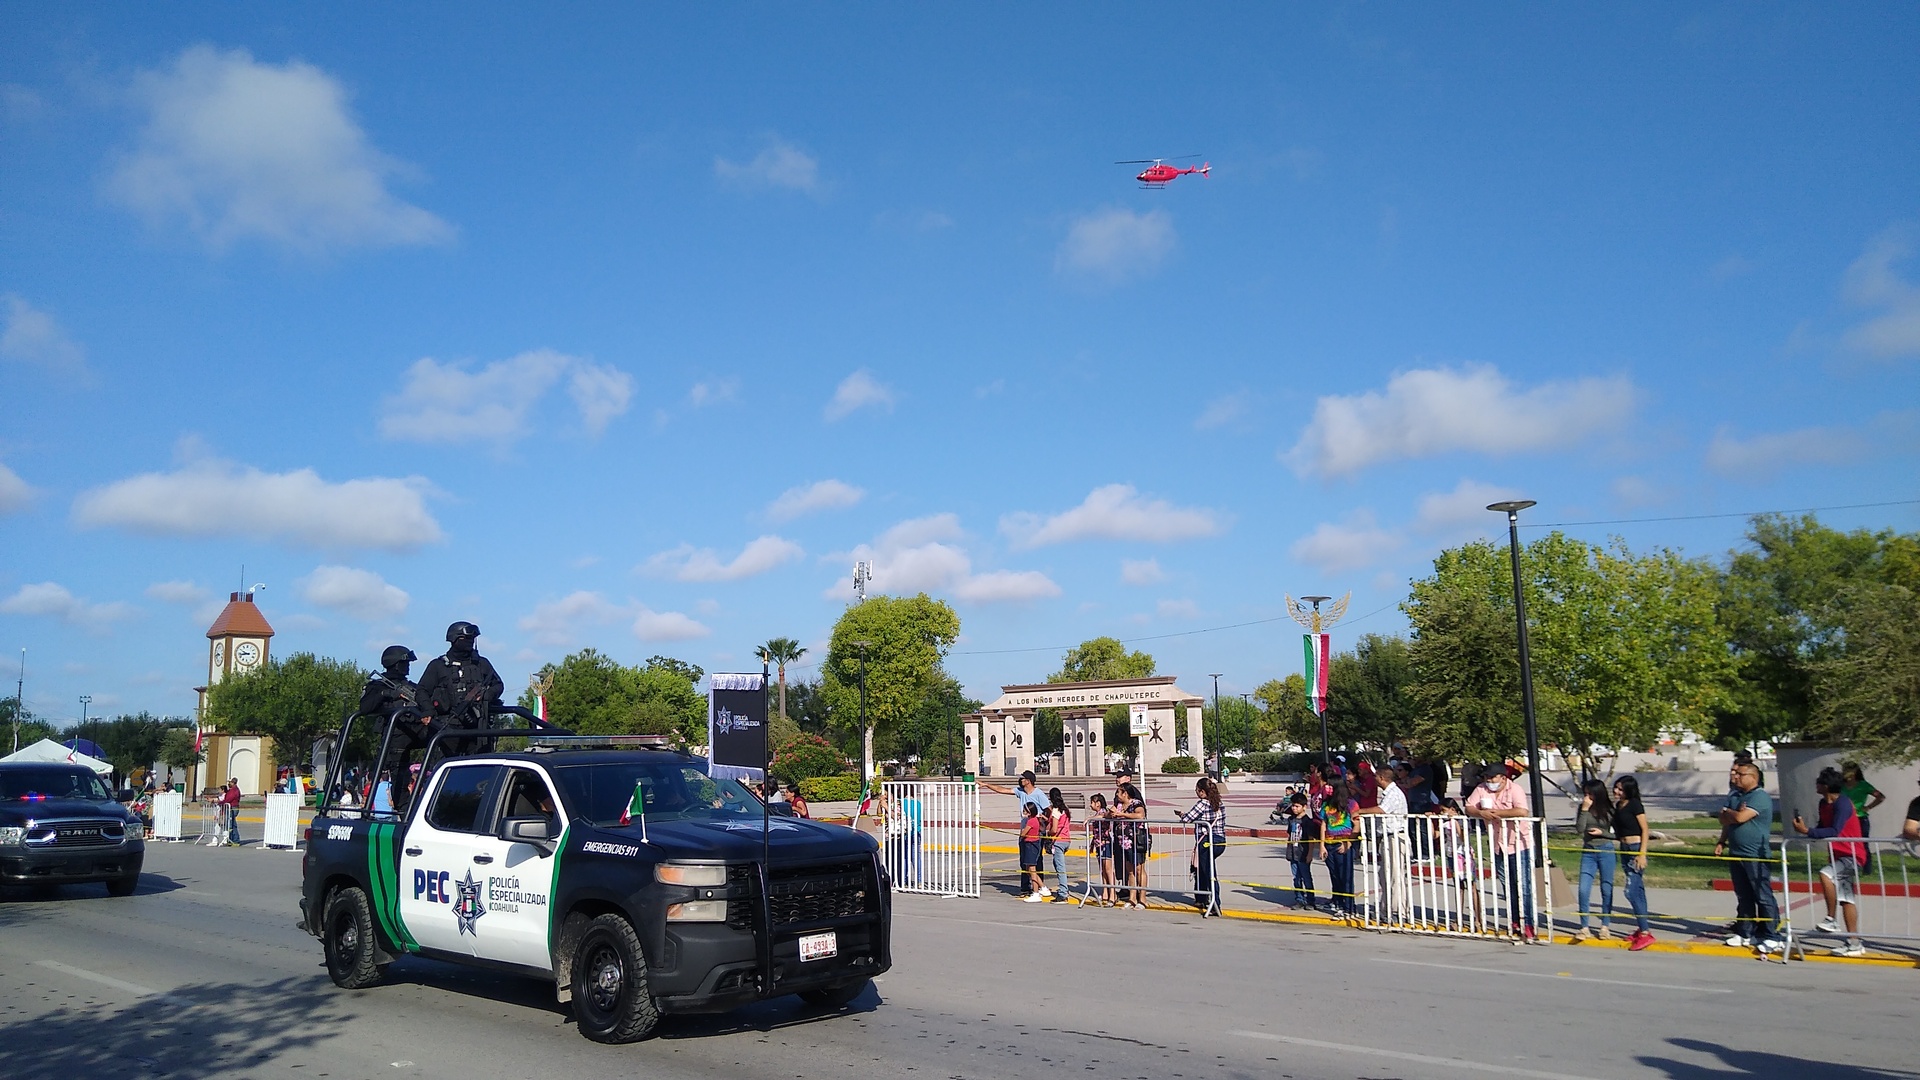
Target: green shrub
830 788
1181 764
1231 764
805 757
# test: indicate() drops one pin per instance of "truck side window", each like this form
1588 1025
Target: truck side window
462 797
528 797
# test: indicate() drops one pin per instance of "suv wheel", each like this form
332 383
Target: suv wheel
125 883
835 997
611 1002
346 930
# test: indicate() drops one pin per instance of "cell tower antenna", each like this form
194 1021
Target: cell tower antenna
862 575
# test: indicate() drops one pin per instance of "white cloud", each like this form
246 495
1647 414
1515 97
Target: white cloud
1334 548
1732 266
1141 571
560 622
667 626
15 493
1464 509
1177 609
812 498
686 563
362 594
447 403
219 498
1221 411
1871 282
49 600
713 392
921 555
859 390
1113 512
780 165
1436 411
1114 245
1637 491
1893 432
239 149
31 336
186 593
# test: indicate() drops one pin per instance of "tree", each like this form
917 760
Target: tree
594 694
907 638
1866 690
1625 647
1285 715
294 701
1100 659
130 742
1367 699
176 749
32 729
780 652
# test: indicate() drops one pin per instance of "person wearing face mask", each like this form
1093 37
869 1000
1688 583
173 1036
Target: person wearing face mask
1498 802
461 687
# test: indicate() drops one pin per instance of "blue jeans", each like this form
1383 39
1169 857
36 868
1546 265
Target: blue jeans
1303 881
233 824
1758 911
1206 856
1514 872
1060 865
1597 860
1340 870
1636 889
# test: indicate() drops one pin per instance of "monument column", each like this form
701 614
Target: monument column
1022 749
1196 735
970 753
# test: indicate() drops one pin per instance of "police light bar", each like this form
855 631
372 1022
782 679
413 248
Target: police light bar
598 742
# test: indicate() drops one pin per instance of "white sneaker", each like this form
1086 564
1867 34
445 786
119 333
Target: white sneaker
1045 892
1033 898
1851 949
1737 942
1827 925
1773 945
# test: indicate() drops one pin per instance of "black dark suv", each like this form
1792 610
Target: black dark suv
60 825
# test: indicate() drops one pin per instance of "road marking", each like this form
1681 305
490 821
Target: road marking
1459 1065
1559 975
104 980
1008 925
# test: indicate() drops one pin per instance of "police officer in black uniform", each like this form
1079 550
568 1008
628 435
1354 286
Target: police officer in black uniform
391 692
461 688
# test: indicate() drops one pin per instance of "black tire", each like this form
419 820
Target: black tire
125 884
836 997
346 932
611 1002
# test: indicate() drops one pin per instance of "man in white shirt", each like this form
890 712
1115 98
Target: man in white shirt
1390 851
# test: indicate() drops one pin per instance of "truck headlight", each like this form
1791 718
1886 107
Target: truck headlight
698 911
12 835
700 875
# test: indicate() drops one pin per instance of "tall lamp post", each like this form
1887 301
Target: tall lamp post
1218 755
1512 509
85 700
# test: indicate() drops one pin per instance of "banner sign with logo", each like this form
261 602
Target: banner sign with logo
737 725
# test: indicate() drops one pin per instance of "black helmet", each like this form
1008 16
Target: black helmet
462 629
395 655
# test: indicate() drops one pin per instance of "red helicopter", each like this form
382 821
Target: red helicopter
1159 174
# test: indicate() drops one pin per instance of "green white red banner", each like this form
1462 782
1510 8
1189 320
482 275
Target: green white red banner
1319 659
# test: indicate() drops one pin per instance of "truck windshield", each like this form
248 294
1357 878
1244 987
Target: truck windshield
669 790
53 782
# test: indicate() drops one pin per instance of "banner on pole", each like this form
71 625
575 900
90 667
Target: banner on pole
1137 721
1319 659
737 725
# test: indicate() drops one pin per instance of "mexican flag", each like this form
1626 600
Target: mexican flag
636 806
1319 659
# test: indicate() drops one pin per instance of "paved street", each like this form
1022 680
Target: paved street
203 974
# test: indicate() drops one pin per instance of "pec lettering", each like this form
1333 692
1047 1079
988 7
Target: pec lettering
432 885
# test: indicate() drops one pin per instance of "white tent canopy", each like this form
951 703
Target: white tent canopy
48 750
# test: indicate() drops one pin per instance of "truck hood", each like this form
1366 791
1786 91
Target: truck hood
19 811
793 840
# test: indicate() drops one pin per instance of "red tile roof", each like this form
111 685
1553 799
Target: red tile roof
241 616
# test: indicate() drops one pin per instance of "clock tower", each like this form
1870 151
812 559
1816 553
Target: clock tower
237 643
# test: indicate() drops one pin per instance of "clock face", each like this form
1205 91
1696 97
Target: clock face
246 654
219 654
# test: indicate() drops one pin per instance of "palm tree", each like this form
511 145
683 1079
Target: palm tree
780 652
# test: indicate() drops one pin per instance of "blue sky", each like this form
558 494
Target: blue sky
634 327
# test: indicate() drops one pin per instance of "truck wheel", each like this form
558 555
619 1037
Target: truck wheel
835 997
346 931
124 884
611 1002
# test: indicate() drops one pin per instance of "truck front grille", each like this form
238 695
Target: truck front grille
817 893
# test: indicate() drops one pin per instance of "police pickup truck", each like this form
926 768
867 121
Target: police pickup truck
618 868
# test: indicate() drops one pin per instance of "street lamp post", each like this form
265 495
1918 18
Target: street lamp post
85 700
1218 756
1512 509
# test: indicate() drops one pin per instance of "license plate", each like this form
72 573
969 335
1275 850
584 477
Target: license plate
819 946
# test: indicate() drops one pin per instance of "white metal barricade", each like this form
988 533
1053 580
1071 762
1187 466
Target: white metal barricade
932 840
1880 876
1134 861
213 824
1445 874
283 821
166 815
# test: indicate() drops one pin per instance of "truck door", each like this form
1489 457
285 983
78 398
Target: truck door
443 862
517 882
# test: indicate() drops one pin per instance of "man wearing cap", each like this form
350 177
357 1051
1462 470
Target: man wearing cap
1499 802
461 687
1029 794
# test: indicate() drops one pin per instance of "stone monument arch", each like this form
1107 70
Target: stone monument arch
999 738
